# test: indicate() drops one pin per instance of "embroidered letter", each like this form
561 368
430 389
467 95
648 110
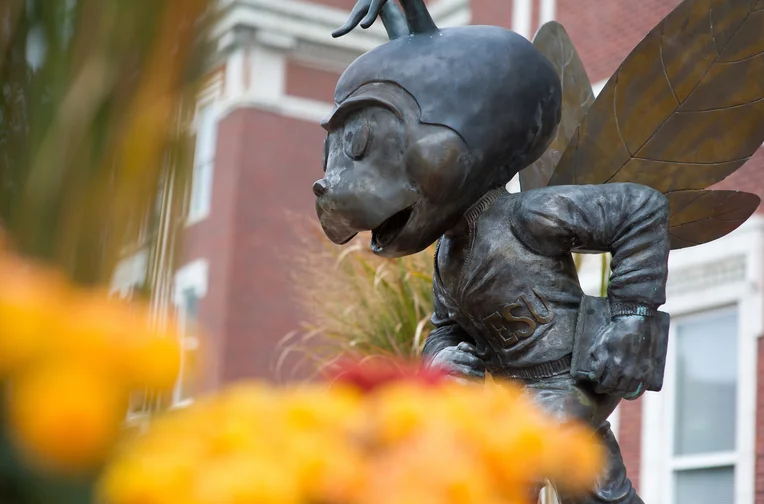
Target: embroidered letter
520 333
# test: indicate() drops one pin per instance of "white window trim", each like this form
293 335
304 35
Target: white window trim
128 274
657 419
522 17
193 276
195 215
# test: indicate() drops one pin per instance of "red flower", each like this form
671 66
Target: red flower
367 376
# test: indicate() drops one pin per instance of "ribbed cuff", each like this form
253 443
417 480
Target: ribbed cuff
437 342
620 309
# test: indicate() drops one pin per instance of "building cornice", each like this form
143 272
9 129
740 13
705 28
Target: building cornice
286 23
294 107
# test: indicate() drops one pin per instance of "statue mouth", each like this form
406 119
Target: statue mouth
384 234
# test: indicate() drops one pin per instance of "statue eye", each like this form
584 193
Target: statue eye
357 141
326 152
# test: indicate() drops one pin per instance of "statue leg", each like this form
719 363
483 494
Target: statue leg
565 398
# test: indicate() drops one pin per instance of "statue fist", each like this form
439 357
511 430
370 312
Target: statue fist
460 360
623 357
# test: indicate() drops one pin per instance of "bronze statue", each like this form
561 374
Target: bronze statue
428 129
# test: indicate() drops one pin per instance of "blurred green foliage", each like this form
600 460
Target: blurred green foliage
95 98
92 96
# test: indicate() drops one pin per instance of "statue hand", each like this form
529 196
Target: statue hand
622 357
368 8
460 360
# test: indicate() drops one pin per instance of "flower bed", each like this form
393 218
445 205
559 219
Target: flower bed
69 358
371 438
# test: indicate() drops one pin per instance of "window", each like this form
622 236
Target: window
190 289
704 406
188 318
129 275
204 157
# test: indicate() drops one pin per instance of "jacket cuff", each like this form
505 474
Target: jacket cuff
440 338
622 308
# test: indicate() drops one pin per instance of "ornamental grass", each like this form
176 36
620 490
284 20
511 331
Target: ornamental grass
355 304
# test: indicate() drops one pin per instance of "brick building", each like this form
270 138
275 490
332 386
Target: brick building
700 441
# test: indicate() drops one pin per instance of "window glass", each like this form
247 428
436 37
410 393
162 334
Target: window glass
706 385
201 183
206 135
705 486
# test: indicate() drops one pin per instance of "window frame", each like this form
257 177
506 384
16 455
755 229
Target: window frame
199 201
191 277
677 463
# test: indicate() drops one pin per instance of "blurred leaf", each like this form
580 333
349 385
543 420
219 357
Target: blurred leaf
95 96
92 95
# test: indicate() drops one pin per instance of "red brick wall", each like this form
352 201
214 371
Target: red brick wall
630 438
492 12
272 178
749 178
605 32
309 82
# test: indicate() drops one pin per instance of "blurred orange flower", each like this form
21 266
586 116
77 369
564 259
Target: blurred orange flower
401 440
64 416
69 358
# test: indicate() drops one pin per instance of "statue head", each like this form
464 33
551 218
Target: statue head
424 125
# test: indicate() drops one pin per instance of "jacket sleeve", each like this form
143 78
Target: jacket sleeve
628 220
446 333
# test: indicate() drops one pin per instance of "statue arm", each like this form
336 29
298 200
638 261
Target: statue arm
628 220
446 333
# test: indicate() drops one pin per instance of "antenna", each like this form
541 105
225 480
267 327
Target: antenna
418 17
394 21
414 20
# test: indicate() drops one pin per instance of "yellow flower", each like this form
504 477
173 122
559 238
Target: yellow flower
402 443
400 411
152 360
32 304
313 407
436 466
246 479
163 478
63 416
572 457
118 337
328 466
92 331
